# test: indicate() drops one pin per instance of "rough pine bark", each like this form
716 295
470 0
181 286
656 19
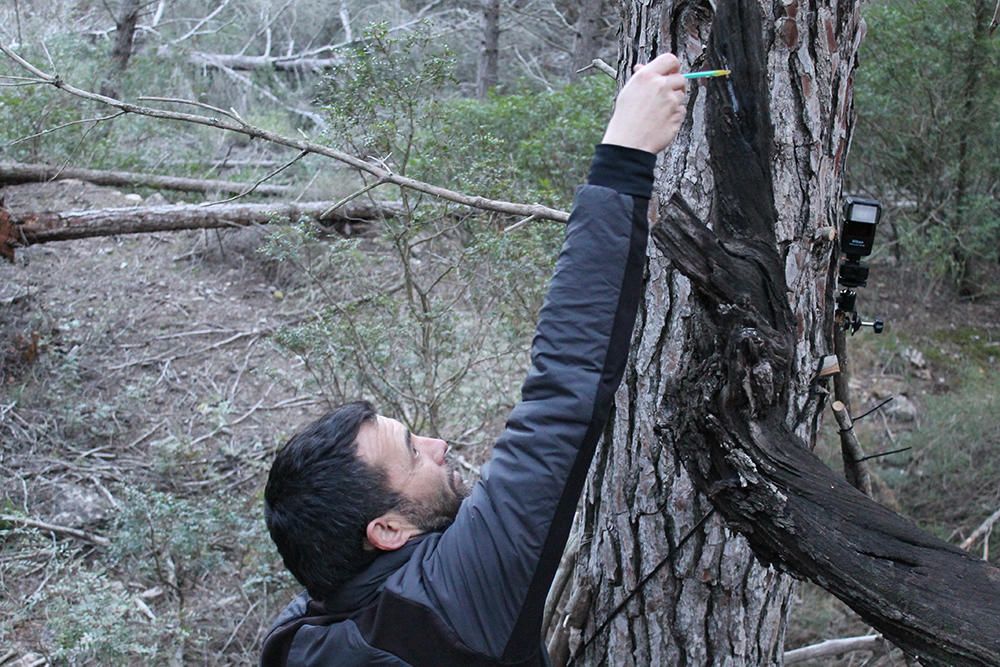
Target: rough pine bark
714 603
722 394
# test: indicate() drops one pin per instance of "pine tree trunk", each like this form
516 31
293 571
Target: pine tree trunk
790 95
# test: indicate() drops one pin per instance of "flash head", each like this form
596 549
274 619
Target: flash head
861 216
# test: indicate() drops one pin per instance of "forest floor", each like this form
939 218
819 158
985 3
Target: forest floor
141 400
131 365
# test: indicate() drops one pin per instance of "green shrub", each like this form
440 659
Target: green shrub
94 619
33 115
530 146
170 540
951 483
431 319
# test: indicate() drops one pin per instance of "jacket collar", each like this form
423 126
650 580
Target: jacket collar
364 588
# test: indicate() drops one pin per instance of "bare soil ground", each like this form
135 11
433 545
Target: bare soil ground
139 363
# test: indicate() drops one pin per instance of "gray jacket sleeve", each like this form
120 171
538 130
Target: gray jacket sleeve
490 571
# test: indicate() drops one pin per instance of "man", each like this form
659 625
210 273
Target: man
402 564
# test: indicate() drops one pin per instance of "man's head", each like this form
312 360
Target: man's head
350 484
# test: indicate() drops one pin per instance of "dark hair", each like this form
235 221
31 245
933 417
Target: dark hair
320 497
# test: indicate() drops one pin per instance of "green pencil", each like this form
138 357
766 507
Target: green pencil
708 74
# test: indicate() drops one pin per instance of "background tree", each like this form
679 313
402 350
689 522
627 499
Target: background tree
488 73
587 33
125 25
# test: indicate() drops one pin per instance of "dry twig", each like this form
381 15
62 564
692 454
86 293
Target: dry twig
984 529
832 647
854 468
65 125
260 181
328 212
599 64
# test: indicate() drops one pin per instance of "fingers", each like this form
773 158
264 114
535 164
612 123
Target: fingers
664 64
675 82
650 107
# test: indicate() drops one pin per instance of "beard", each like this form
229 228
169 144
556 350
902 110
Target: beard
439 511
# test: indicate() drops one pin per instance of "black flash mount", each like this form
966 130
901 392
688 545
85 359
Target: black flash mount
857 237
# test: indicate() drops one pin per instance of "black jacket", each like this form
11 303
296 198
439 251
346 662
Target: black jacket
474 594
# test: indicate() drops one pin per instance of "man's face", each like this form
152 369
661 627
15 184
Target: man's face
417 469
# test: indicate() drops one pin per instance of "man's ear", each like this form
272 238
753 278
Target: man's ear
390 531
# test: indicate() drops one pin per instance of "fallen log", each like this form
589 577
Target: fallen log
297 63
25 229
15 172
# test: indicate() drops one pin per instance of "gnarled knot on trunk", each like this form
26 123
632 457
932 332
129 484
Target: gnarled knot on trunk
752 382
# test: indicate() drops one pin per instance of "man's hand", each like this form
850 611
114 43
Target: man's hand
650 108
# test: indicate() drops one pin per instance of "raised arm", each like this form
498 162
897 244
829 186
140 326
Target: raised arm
490 571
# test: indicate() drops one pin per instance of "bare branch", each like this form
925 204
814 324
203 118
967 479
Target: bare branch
984 528
291 62
20 40
193 31
597 63
266 29
345 20
328 212
538 210
177 100
21 84
306 60
65 125
22 78
854 468
158 15
832 647
59 530
517 225
533 70
261 180
312 116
